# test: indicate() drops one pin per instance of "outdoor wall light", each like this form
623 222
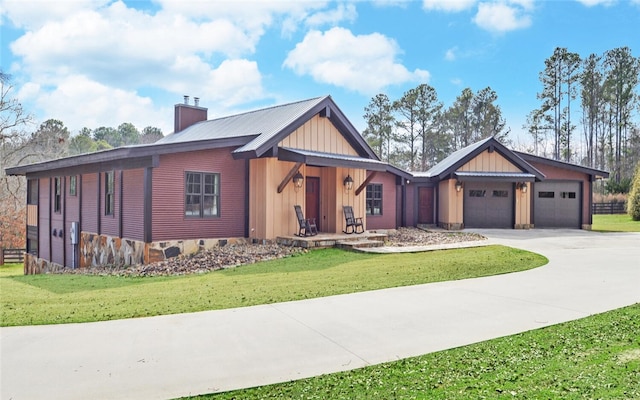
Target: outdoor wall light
458 186
298 180
348 182
522 186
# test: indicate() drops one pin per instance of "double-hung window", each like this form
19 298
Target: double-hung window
108 193
374 199
202 195
57 194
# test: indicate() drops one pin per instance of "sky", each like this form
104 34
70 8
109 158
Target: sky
92 63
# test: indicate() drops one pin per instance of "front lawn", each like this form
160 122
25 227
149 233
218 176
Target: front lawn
593 358
58 299
614 223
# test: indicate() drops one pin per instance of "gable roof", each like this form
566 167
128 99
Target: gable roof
270 125
254 133
447 167
563 164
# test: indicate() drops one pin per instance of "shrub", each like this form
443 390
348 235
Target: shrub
633 201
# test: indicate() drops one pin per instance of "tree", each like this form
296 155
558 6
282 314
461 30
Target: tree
109 135
592 99
128 134
538 125
633 200
458 119
408 109
380 122
13 122
621 79
150 135
434 140
558 89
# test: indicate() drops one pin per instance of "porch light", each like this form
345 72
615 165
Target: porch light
458 186
298 180
522 186
348 182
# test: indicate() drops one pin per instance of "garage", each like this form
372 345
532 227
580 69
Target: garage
557 204
488 205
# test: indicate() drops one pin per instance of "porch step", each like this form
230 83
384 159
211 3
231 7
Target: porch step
359 244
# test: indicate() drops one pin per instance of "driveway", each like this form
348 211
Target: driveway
187 354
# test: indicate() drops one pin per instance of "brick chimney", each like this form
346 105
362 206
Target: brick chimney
187 115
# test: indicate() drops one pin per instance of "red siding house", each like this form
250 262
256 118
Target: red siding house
238 178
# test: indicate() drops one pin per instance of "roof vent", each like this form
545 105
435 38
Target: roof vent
196 101
186 99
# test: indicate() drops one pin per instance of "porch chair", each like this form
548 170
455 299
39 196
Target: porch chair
307 225
352 222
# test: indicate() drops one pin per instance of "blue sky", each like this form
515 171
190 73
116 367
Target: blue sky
101 62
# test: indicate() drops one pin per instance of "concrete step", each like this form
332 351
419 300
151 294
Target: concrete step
358 244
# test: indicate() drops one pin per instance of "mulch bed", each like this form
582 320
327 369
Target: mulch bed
233 255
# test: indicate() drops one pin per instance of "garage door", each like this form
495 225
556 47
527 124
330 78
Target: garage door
556 204
488 205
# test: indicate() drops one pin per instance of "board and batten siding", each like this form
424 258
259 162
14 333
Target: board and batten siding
318 134
89 204
489 162
168 188
133 204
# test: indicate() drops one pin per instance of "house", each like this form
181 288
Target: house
237 178
486 185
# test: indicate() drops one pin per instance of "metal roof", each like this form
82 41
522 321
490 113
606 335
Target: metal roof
265 123
495 176
322 159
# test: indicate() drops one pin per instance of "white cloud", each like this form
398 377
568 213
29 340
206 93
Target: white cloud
592 3
79 102
456 81
363 63
501 17
448 5
33 14
450 54
343 12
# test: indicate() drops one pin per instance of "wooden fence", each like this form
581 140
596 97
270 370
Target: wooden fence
609 208
12 256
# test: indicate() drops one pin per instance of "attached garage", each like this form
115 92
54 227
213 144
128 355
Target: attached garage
488 205
557 204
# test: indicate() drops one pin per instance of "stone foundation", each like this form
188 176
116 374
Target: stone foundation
451 226
523 226
97 250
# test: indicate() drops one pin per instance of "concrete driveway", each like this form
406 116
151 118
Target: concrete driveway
178 355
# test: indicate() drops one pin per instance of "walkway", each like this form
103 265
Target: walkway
179 355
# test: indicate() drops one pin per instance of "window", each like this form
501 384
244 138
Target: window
32 191
374 199
202 195
73 185
57 194
568 195
500 193
546 195
108 193
477 193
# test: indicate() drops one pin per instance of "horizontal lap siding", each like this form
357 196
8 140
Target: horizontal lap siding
168 220
388 218
57 223
89 204
133 204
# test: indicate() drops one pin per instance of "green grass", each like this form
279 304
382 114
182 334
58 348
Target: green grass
614 223
55 299
593 358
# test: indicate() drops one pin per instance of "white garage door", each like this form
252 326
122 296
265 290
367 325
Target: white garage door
556 204
488 205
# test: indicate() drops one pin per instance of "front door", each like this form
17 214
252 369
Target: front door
425 205
312 199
